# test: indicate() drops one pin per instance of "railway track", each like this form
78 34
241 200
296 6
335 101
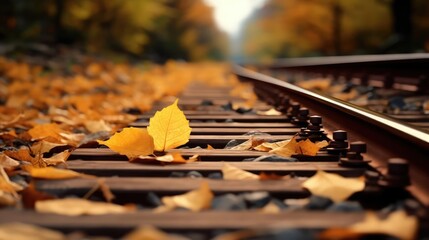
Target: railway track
390 155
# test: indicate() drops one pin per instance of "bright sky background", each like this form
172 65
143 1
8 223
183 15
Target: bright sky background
229 14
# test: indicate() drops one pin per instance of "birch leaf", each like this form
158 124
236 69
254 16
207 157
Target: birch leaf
195 200
169 128
333 186
78 207
131 142
233 173
52 173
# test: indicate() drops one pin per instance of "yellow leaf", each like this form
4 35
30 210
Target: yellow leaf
131 142
268 146
46 130
249 144
271 112
22 231
149 233
193 158
77 207
397 224
333 186
233 173
307 147
322 144
169 128
52 173
57 158
195 200
286 150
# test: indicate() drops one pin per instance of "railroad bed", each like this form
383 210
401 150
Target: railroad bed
371 150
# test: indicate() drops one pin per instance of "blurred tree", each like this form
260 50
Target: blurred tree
315 27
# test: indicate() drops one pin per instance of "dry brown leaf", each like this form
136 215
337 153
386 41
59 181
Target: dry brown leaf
150 233
52 173
8 190
7 162
270 112
97 126
103 187
286 150
78 207
397 224
233 173
22 154
57 158
44 146
193 158
249 144
307 147
209 147
195 200
268 146
333 186
132 142
169 128
22 231
73 139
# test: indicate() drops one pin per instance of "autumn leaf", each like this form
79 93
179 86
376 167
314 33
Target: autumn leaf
270 112
44 146
333 186
132 142
307 147
169 128
249 144
397 224
268 146
286 150
97 126
21 231
271 208
46 130
57 158
195 200
7 162
209 147
8 190
233 173
103 187
78 207
52 173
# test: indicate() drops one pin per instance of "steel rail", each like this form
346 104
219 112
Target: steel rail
385 136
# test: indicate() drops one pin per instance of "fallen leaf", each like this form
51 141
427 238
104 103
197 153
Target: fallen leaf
97 126
233 173
268 146
286 150
150 233
46 130
132 142
103 187
271 208
307 147
195 200
44 146
397 224
7 162
22 154
73 139
209 147
22 231
8 190
169 128
52 173
271 112
333 186
57 158
167 158
322 144
193 158
78 207
249 144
